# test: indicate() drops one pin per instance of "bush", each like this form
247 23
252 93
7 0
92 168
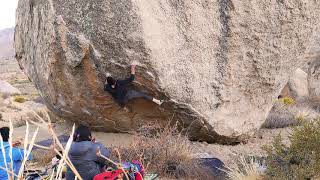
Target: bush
282 115
287 101
246 168
300 160
166 152
19 99
279 120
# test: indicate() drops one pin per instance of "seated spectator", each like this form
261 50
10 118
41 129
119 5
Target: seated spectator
17 155
83 155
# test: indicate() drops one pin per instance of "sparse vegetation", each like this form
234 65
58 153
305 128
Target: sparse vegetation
19 99
168 153
282 115
287 101
246 168
301 117
20 81
301 159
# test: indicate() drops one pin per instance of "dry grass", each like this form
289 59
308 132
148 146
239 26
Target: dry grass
166 152
287 101
245 169
28 145
282 115
19 99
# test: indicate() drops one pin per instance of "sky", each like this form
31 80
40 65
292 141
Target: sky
7 13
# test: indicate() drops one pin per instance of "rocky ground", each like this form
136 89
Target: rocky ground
19 112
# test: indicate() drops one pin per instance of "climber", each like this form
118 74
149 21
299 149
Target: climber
119 90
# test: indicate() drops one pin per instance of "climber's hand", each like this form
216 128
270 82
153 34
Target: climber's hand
93 140
133 69
16 143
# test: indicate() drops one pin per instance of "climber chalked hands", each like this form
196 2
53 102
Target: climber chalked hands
119 89
133 68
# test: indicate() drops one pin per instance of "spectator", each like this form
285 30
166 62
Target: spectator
83 155
17 155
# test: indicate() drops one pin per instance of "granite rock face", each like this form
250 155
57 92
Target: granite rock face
314 80
313 64
219 64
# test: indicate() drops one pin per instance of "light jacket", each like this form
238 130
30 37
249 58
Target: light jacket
17 157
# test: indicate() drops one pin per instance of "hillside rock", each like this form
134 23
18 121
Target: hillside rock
297 86
6 44
219 64
7 89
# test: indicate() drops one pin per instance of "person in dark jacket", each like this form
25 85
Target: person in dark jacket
119 90
83 155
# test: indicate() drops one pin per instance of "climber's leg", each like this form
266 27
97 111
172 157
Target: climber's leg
132 94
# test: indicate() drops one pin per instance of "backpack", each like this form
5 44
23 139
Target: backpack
109 175
133 169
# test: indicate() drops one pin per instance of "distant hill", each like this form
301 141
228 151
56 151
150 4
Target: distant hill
6 43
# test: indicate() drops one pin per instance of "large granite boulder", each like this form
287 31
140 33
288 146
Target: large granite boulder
219 64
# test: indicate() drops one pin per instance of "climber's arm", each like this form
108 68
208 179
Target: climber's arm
131 78
133 69
108 88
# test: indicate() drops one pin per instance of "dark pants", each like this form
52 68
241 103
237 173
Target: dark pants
132 94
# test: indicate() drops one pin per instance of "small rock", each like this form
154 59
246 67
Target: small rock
298 83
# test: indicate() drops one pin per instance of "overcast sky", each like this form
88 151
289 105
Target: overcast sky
7 13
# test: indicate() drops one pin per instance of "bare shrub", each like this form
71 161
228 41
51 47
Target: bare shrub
19 99
164 151
28 146
279 120
282 115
